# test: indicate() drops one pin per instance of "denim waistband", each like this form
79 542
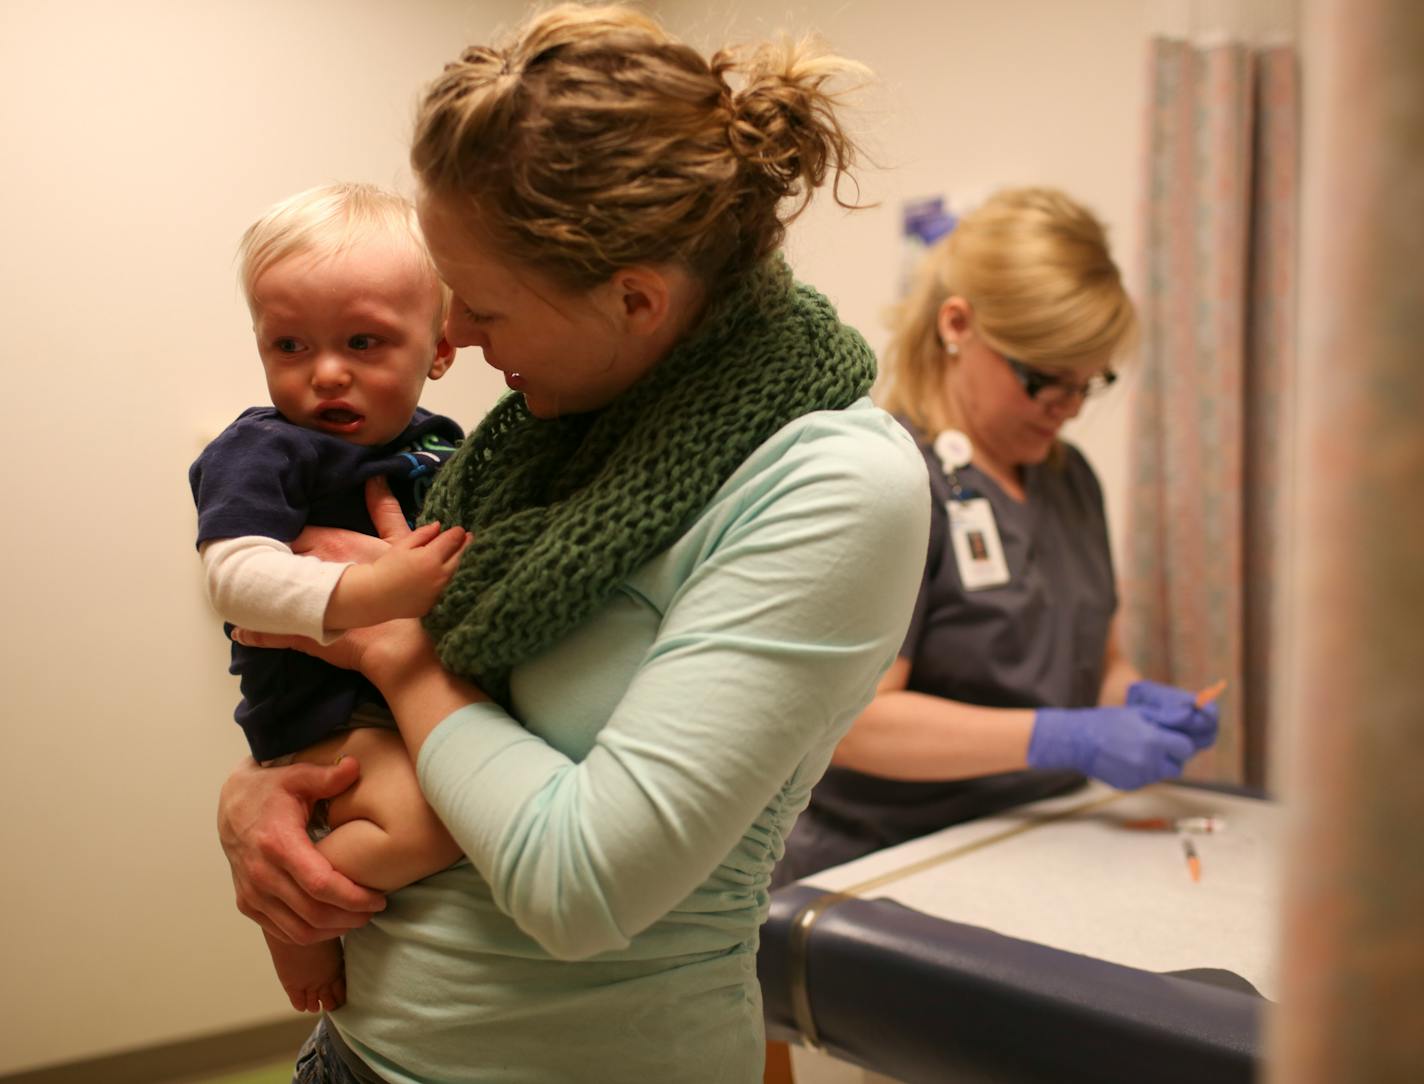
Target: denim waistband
326 1059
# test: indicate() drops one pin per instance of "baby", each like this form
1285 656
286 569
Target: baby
349 314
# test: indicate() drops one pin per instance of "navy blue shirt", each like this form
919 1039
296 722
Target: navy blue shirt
1038 640
265 476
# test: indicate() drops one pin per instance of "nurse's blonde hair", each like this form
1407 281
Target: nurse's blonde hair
1034 266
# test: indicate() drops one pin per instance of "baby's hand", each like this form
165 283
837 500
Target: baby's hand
404 582
411 575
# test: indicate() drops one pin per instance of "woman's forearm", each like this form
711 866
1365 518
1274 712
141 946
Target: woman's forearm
421 693
1118 671
1117 678
917 737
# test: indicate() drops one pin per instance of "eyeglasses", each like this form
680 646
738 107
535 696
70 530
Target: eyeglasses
1051 389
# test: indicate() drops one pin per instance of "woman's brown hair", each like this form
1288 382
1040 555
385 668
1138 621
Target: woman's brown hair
591 140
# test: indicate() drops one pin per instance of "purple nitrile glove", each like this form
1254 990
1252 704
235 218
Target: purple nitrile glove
1120 746
1176 709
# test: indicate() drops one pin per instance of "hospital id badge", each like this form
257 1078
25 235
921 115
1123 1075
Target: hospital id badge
977 549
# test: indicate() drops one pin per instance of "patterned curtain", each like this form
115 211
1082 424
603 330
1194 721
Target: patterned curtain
1218 306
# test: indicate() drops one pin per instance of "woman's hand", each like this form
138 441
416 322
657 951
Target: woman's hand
1120 746
1177 709
335 544
385 653
284 883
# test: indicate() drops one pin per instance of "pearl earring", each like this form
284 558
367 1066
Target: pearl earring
952 349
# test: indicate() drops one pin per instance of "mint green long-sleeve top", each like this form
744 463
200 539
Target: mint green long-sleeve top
620 830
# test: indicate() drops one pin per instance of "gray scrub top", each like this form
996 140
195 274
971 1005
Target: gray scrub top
1036 641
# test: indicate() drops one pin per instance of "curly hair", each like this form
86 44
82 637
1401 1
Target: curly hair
592 139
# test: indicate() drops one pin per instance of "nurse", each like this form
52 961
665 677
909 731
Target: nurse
1010 685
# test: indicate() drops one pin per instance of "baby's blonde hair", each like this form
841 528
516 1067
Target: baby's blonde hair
326 220
592 139
1035 268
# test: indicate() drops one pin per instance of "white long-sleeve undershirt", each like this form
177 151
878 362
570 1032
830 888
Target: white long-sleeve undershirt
258 583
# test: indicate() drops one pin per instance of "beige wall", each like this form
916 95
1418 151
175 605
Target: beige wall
969 97
140 139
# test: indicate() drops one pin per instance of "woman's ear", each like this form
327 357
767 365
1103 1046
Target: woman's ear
640 298
953 322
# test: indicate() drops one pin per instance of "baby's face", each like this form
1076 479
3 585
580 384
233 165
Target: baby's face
348 339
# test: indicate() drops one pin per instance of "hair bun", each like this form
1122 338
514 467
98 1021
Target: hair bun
593 140
782 120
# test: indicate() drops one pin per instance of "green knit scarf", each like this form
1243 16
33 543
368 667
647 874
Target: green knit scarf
564 510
